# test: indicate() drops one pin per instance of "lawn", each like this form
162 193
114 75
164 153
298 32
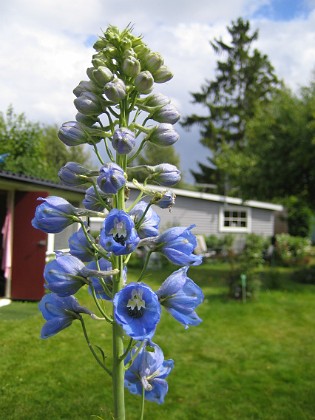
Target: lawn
245 361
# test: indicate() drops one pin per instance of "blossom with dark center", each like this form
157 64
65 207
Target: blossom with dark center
137 310
148 370
180 296
119 235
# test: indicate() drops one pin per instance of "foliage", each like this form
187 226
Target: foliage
244 80
291 250
222 245
33 149
277 162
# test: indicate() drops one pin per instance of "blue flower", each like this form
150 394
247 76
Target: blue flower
165 174
54 215
119 235
180 296
102 292
111 178
80 246
59 312
166 114
71 133
65 275
163 135
178 244
123 140
149 220
96 201
165 200
74 174
148 370
137 310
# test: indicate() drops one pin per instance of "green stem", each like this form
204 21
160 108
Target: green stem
91 347
142 403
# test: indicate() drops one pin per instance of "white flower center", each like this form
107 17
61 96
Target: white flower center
136 301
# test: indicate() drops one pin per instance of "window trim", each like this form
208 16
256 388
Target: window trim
236 229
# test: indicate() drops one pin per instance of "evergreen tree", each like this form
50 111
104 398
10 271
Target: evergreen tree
244 79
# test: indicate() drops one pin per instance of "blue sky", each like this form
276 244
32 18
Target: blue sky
45 49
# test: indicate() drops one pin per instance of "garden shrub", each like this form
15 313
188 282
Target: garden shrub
292 250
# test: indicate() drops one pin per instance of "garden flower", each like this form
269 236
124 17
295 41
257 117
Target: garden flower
88 103
165 200
166 114
163 135
80 246
96 201
65 275
111 178
144 81
148 370
72 134
180 296
54 215
165 174
123 140
137 310
178 244
119 235
115 90
146 221
100 291
74 174
102 75
162 75
59 312
131 66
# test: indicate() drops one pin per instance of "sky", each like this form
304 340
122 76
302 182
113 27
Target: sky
46 46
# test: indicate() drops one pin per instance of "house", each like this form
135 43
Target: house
24 249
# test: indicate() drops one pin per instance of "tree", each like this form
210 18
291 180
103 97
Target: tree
244 80
277 162
34 149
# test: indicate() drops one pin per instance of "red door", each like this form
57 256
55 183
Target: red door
29 249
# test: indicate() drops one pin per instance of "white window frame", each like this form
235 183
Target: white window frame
236 229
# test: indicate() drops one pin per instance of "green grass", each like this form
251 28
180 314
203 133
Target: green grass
245 361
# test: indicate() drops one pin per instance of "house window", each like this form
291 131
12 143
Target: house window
235 219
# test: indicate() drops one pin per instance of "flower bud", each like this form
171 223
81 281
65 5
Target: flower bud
74 173
165 174
163 135
144 81
131 66
166 114
156 100
85 86
153 61
102 75
123 140
162 75
96 201
88 104
115 90
165 200
111 178
72 134
85 119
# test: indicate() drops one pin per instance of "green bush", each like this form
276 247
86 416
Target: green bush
220 244
291 250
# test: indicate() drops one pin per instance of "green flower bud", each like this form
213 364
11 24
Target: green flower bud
162 75
88 104
153 61
102 75
131 66
115 90
144 81
85 119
